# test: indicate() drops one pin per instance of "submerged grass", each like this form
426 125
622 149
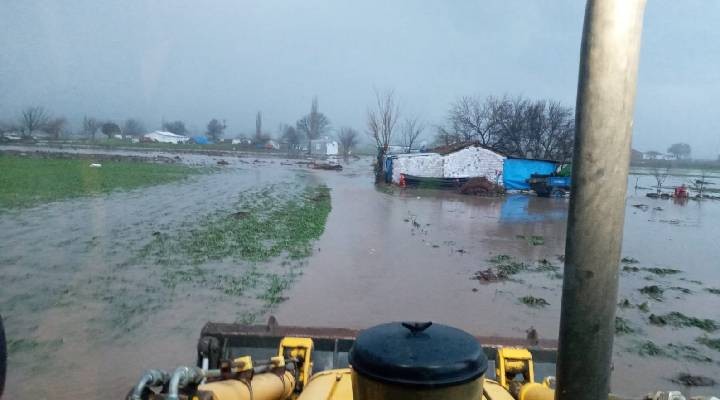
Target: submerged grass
622 327
680 320
534 302
26 181
709 342
653 291
264 227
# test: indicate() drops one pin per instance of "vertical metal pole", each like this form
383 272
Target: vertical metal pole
604 119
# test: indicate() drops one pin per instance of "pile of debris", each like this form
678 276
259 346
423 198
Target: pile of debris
325 166
481 186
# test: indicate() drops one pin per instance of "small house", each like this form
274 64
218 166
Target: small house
324 147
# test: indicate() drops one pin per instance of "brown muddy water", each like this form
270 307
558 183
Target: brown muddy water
87 316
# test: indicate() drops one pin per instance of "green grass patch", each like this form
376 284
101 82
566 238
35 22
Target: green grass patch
662 271
653 291
622 326
534 302
265 225
534 240
26 181
648 348
709 342
680 320
713 290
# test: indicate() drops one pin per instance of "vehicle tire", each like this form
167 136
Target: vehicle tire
557 192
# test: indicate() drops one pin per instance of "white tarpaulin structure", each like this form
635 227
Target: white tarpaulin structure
467 162
165 137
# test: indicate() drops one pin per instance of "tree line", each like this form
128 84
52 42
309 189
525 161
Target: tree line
311 126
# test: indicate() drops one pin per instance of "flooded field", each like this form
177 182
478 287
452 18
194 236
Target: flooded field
97 289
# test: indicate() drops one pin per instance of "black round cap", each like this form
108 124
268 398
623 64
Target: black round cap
418 354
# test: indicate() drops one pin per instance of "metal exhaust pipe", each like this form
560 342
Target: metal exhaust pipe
603 127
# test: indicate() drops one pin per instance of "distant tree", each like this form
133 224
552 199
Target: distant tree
292 137
176 127
90 127
109 129
56 126
652 154
381 121
412 128
314 124
679 150
215 129
512 126
33 119
348 139
258 128
133 127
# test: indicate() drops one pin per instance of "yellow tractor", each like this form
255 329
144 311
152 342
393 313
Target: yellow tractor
398 360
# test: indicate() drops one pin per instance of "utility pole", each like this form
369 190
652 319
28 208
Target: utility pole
609 58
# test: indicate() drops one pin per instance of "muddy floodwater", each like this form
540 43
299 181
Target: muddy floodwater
86 316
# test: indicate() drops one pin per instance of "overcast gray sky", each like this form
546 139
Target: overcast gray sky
196 60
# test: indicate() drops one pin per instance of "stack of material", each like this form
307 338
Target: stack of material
474 161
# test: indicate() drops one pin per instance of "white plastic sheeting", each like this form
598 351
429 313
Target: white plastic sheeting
421 164
166 137
470 162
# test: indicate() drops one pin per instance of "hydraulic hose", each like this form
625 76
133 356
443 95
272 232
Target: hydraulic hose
151 377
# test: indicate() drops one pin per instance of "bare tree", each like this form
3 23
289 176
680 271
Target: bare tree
215 129
133 127
90 127
412 128
660 175
348 139
33 119
110 129
513 126
381 121
699 184
176 127
314 124
56 126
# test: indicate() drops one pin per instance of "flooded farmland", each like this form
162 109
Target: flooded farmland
90 301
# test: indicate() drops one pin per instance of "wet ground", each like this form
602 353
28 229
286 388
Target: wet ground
94 316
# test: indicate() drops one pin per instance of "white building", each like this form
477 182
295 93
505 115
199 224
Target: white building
324 147
165 137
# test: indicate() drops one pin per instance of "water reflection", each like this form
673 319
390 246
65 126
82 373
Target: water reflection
527 208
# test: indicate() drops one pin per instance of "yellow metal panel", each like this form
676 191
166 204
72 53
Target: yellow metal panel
300 348
266 386
333 384
493 391
536 391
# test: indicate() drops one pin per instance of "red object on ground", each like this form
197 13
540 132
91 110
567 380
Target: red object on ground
401 182
681 191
